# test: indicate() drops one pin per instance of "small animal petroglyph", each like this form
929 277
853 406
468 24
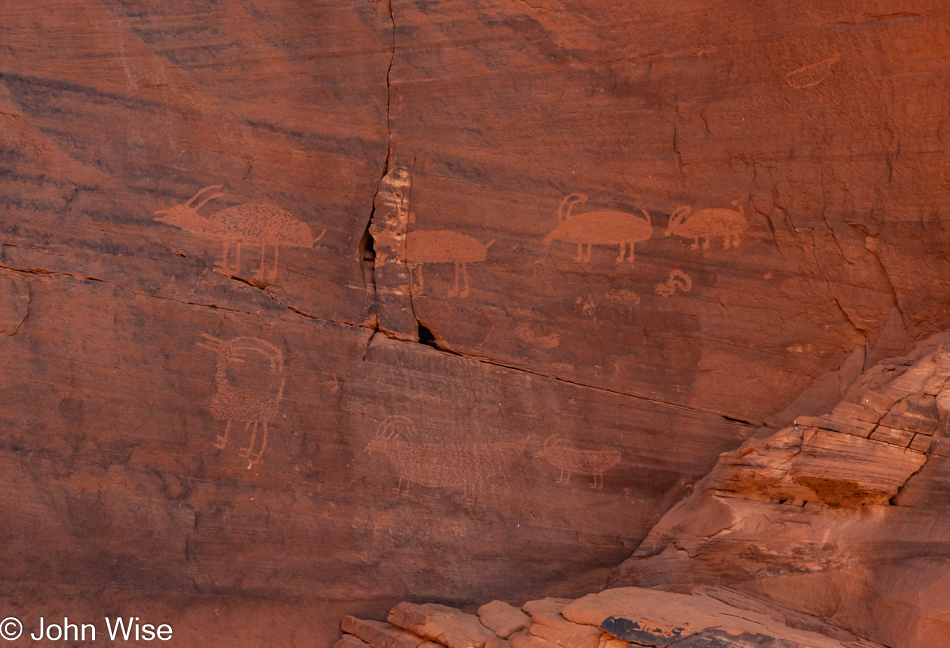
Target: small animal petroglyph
626 298
443 246
811 75
601 227
707 223
465 465
526 334
678 279
248 224
231 403
588 307
574 460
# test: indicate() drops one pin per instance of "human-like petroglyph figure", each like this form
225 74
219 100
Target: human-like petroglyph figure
443 246
707 223
248 224
811 75
465 465
574 460
601 227
232 403
678 279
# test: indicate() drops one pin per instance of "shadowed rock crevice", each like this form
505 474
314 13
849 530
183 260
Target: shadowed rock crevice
367 256
426 336
367 245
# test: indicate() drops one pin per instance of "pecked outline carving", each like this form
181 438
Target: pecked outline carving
465 465
811 75
600 227
677 279
229 404
708 223
443 246
260 225
570 460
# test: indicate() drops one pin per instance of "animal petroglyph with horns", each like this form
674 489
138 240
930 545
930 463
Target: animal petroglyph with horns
707 223
443 246
677 279
574 460
259 225
601 227
233 403
463 465
811 75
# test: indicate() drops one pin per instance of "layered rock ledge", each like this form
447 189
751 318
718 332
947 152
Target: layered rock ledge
614 618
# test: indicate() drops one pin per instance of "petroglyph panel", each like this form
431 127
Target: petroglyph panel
486 118
315 508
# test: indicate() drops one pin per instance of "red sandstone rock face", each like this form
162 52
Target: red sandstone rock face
840 516
764 191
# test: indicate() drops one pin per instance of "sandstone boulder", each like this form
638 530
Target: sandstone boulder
524 639
632 616
350 641
445 625
549 624
378 634
502 618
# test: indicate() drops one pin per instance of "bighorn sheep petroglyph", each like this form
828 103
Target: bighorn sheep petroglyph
248 224
465 464
707 223
574 460
601 227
